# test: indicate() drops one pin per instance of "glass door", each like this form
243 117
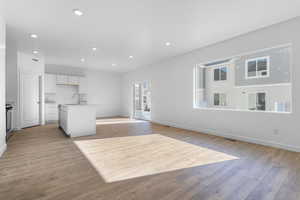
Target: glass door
142 100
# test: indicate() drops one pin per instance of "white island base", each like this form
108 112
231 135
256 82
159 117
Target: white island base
77 120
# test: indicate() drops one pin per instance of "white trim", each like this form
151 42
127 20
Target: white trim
257 76
239 110
195 88
200 89
230 135
264 85
3 149
217 65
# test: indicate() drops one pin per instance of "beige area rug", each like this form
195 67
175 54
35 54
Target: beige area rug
124 158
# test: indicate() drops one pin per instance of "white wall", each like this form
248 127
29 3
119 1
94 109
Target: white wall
2 87
104 88
52 69
11 77
66 94
172 91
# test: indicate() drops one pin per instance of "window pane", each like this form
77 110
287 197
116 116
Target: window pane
138 102
224 73
223 99
262 64
217 74
216 99
261 101
251 68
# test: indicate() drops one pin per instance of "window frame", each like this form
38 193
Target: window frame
202 64
257 76
220 67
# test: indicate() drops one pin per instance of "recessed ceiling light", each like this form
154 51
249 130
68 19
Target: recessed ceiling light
33 36
77 12
130 57
113 64
94 49
167 43
82 59
35 52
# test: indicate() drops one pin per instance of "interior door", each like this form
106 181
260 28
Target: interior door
29 100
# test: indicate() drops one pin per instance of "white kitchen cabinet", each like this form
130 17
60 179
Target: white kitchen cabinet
62 79
50 83
83 85
67 80
51 112
73 80
77 120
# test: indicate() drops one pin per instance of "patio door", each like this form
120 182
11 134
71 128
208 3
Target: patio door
142 100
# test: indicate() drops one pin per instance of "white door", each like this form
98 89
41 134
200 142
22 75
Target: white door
29 100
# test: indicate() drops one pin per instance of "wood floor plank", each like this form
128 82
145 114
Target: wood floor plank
42 163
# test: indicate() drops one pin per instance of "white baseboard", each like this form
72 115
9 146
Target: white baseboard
2 149
125 116
231 136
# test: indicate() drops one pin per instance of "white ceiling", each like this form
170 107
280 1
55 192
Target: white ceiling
120 28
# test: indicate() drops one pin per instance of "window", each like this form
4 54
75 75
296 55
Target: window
219 99
258 67
220 74
257 101
240 83
137 97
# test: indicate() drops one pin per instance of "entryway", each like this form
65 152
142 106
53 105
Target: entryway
142 100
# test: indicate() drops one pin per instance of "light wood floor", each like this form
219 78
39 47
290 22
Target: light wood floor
42 163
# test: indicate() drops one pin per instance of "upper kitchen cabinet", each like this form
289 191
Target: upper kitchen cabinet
50 83
62 79
83 86
67 80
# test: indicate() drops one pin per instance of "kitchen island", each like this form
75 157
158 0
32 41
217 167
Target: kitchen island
77 120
